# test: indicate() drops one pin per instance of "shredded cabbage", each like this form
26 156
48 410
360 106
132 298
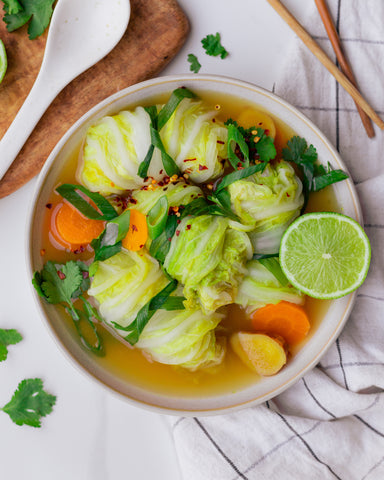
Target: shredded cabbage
269 201
196 140
260 287
113 149
185 338
208 258
124 283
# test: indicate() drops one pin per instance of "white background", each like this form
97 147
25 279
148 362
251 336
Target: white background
92 434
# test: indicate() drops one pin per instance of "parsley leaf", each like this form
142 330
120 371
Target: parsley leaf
38 12
29 403
195 64
212 46
8 337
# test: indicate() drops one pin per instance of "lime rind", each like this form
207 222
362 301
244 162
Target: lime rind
3 60
303 244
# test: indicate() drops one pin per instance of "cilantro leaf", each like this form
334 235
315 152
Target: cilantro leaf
265 147
8 337
212 46
195 65
38 12
315 177
12 6
29 403
58 285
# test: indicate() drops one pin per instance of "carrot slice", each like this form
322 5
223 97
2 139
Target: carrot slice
74 228
286 319
138 232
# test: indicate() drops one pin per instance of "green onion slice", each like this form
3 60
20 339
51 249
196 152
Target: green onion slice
173 102
157 217
273 265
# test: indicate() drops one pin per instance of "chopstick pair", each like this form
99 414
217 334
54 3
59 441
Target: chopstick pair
346 79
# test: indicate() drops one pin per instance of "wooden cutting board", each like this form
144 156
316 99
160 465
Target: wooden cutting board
156 31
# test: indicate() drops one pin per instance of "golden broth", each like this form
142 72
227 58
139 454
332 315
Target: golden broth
130 364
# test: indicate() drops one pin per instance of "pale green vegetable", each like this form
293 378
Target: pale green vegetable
208 258
269 201
260 287
196 140
179 193
113 149
184 337
124 283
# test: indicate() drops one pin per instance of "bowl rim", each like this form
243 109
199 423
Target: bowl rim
29 239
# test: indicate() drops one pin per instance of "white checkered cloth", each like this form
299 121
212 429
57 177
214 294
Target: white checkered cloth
331 423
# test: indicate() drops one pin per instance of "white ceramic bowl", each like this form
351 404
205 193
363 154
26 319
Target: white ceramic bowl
307 357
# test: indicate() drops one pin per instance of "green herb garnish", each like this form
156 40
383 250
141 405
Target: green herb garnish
8 337
19 12
29 403
64 284
195 65
157 217
315 177
213 47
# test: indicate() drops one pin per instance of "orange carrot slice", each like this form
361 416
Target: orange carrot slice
286 319
74 228
138 232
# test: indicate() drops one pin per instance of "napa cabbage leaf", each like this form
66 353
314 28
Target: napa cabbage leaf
124 283
268 201
260 287
196 140
113 149
208 257
184 337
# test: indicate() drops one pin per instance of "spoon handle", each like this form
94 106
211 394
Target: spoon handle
38 100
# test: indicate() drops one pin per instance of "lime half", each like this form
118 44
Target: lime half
3 60
325 255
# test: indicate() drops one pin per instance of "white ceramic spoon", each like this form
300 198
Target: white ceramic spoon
81 33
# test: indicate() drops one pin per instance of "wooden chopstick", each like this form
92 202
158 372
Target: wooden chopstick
344 65
326 61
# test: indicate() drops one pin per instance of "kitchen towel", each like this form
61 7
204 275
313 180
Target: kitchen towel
330 424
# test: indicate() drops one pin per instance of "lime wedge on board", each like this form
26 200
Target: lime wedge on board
325 255
3 61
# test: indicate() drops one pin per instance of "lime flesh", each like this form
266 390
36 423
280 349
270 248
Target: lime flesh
325 255
3 60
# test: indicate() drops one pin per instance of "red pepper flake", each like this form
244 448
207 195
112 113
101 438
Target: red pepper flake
189 227
79 250
85 275
177 233
202 167
134 228
240 168
166 179
266 132
49 205
189 159
260 123
220 141
42 252
161 171
133 200
61 275
141 246
288 195
169 239
214 120
165 189
239 164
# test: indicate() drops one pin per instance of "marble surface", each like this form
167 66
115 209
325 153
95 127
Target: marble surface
92 434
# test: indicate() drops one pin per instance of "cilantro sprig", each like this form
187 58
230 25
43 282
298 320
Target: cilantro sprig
194 63
64 284
8 337
29 403
213 47
315 177
37 13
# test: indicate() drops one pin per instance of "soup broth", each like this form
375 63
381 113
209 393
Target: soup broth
130 364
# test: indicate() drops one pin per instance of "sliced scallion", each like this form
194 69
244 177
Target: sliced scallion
157 217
